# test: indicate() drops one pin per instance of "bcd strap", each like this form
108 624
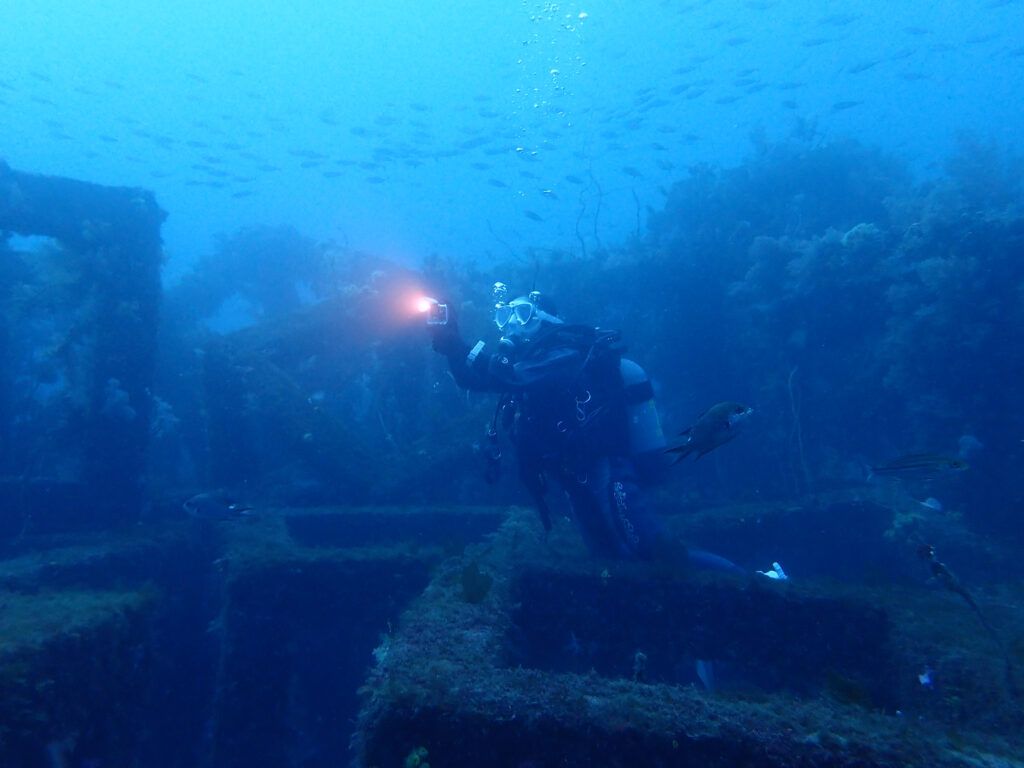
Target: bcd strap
640 392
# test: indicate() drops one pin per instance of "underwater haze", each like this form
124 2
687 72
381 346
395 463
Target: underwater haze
250 516
468 128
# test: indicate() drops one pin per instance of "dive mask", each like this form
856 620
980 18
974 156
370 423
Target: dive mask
517 312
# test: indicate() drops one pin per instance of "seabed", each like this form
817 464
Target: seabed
465 637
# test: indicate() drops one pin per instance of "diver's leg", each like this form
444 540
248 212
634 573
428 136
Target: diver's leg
636 526
643 533
588 495
713 562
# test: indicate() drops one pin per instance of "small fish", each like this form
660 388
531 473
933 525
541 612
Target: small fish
212 506
532 216
476 141
839 19
716 426
923 465
862 66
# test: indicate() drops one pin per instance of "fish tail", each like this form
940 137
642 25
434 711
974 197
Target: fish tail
683 450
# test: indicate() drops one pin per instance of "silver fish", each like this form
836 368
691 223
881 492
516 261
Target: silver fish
920 465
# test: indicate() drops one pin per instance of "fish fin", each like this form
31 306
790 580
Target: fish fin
731 437
706 673
683 450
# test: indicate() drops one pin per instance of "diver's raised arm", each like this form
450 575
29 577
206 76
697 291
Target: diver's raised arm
468 366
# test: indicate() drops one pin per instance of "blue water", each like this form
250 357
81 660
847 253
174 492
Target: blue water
359 122
811 208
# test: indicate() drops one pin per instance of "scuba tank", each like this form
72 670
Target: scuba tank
642 422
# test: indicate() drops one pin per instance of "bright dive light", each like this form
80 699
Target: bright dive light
436 312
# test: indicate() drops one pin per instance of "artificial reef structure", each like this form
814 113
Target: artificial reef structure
457 636
78 349
380 595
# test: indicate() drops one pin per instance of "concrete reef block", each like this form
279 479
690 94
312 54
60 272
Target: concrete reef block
204 642
114 232
449 527
755 634
72 676
297 632
568 661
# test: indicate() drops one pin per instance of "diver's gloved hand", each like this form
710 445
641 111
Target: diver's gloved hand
445 339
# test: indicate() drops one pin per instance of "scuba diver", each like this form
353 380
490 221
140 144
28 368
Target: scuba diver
578 413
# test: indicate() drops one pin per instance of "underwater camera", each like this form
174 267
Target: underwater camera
436 312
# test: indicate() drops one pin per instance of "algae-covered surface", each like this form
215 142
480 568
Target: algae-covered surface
73 675
185 641
30 621
472 638
491 682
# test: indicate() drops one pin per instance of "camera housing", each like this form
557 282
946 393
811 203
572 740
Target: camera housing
436 312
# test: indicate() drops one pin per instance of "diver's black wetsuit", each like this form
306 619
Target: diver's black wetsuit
565 403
